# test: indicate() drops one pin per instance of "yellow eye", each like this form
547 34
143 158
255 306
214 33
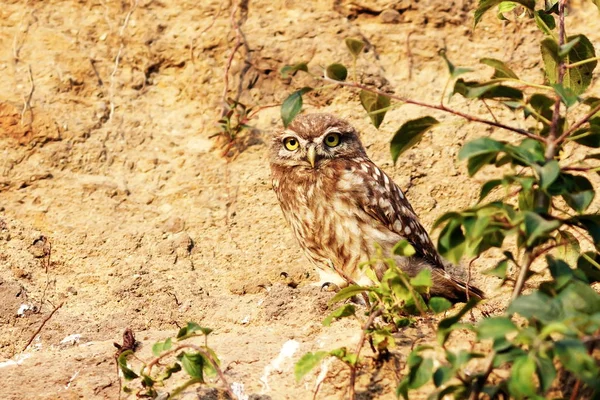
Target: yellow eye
332 140
291 143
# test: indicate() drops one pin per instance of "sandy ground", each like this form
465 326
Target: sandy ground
114 204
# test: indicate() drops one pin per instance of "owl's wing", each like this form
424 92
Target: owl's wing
383 200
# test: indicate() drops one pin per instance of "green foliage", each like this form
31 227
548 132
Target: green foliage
376 106
198 363
292 106
539 200
409 134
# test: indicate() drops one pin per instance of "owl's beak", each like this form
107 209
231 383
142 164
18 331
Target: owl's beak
311 155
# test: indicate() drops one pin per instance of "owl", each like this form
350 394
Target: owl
341 206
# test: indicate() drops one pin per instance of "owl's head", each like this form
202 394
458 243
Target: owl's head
313 140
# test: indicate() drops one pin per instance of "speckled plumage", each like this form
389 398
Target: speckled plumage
341 206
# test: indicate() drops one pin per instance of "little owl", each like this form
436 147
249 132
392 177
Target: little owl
340 205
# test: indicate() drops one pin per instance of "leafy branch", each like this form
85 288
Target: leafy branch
558 315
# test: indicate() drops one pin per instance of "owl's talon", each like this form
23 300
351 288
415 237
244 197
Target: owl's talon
330 287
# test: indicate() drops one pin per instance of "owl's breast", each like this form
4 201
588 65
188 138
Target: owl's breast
329 225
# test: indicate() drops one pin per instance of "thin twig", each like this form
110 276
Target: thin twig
42 325
27 102
576 125
527 260
236 46
359 346
134 4
439 107
17 48
409 55
551 140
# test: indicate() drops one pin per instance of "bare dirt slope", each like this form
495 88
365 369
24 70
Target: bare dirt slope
113 203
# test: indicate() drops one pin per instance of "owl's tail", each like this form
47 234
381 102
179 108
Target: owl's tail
455 290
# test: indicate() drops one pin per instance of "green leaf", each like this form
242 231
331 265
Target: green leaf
307 363
355 46
561 272
455 72
567 96
504 7
591 223
423 278
451 243
439 304
501 70
128 374
589 263
537 228
348 292
574 357
580 192
589 136
477 162
485 5
577 79
566 48
528 152
382 339
442 375
169 371
409 134
159 347
420 370
193 364
292 105
536 305
499 270
487 187
337 72
546 372
290 70
548 173
521 382
480 146
373 103
494 328
404 248
545 22
541 104
494 90
340 312
190 329
579 297
446 325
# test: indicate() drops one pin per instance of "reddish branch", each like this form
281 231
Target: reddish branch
359 346
439 107
42 325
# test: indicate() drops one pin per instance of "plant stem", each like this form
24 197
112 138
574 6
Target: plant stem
204 354
359 346
527 259
480 382
576 125
439 107
582 62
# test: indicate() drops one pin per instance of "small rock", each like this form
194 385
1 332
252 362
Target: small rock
183 243
40 247
173 225
72 290
389 16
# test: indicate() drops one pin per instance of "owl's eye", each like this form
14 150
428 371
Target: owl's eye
332 140
291 143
